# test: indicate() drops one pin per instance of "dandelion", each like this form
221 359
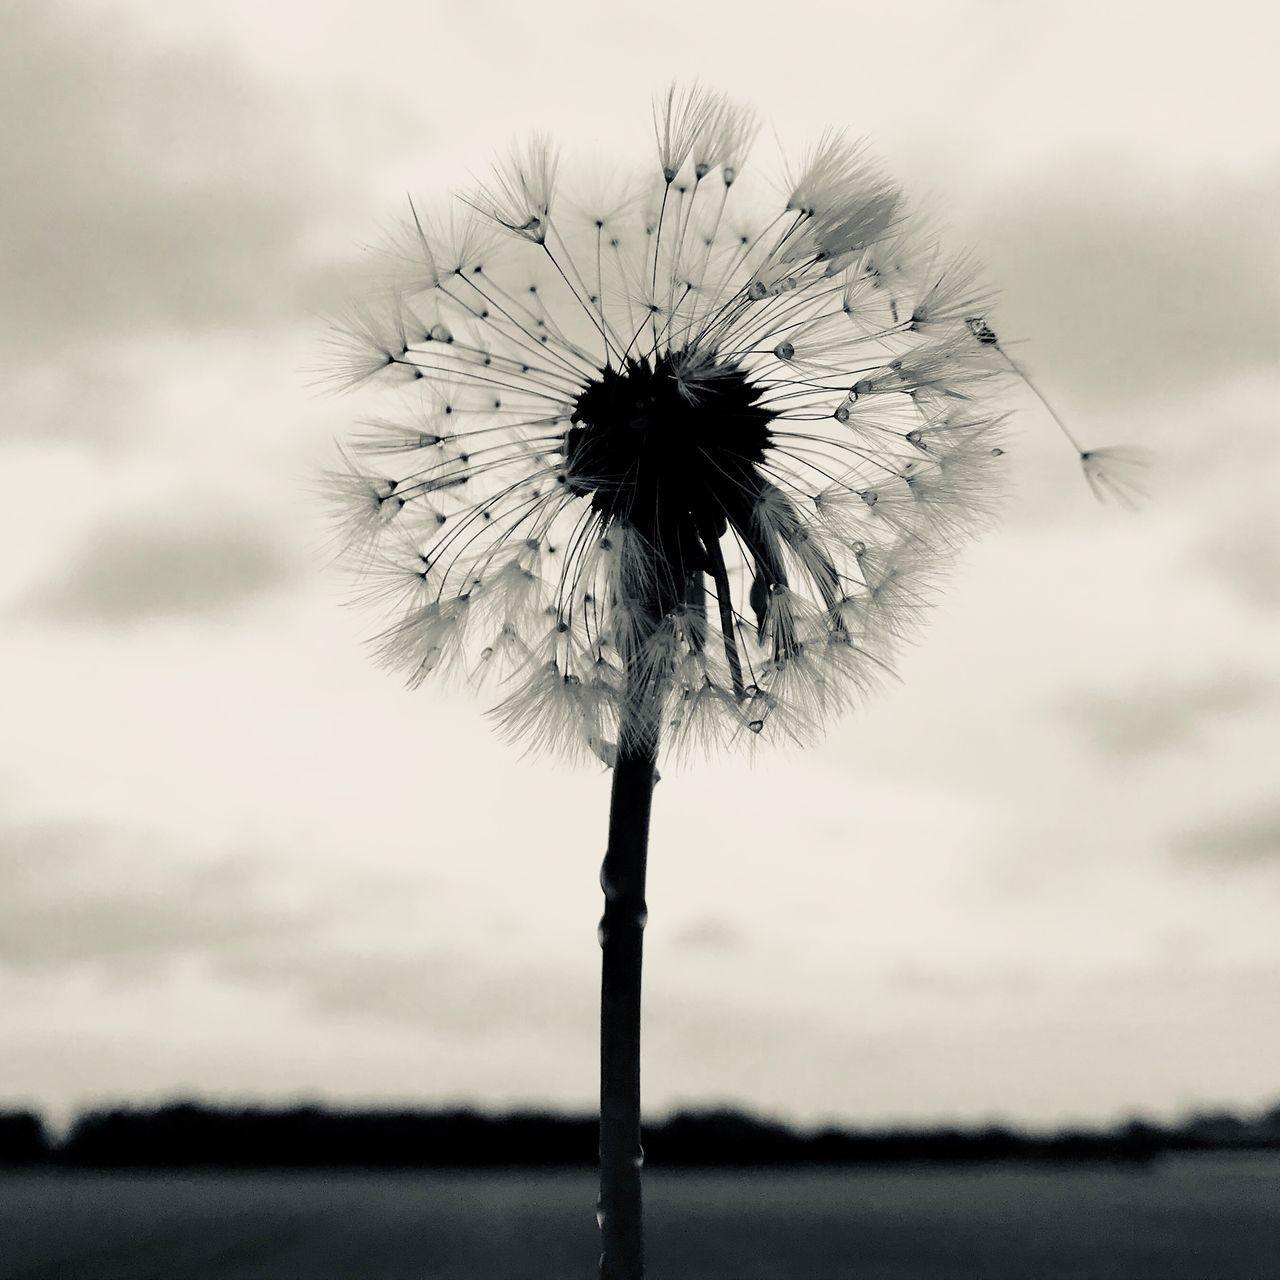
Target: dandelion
667 465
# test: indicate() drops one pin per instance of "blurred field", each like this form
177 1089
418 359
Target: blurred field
1199 1218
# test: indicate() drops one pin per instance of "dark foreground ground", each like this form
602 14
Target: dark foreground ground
1186 1218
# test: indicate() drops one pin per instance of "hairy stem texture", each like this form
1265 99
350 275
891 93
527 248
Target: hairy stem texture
620 1211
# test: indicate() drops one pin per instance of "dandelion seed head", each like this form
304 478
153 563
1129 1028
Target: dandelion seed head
656 444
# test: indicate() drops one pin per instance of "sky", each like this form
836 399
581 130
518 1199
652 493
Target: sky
1036 879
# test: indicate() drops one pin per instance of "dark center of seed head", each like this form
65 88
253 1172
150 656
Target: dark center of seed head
671 449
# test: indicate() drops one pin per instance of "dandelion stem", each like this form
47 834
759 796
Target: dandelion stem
620 1207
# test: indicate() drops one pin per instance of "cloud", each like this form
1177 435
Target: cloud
438 988
1130 284
113 902
134 571
1238 842
1157 718
1242 550
146 190
90 895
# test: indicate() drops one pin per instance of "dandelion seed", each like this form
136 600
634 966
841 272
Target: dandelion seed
1114 473
519 198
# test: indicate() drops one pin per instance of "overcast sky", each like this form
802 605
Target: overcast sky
1037 879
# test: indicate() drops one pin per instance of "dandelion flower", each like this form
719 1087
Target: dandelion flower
648 438
676 461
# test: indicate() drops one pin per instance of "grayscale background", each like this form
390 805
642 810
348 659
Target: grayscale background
1038 880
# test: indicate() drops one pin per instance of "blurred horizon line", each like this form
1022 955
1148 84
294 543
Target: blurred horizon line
190 1133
